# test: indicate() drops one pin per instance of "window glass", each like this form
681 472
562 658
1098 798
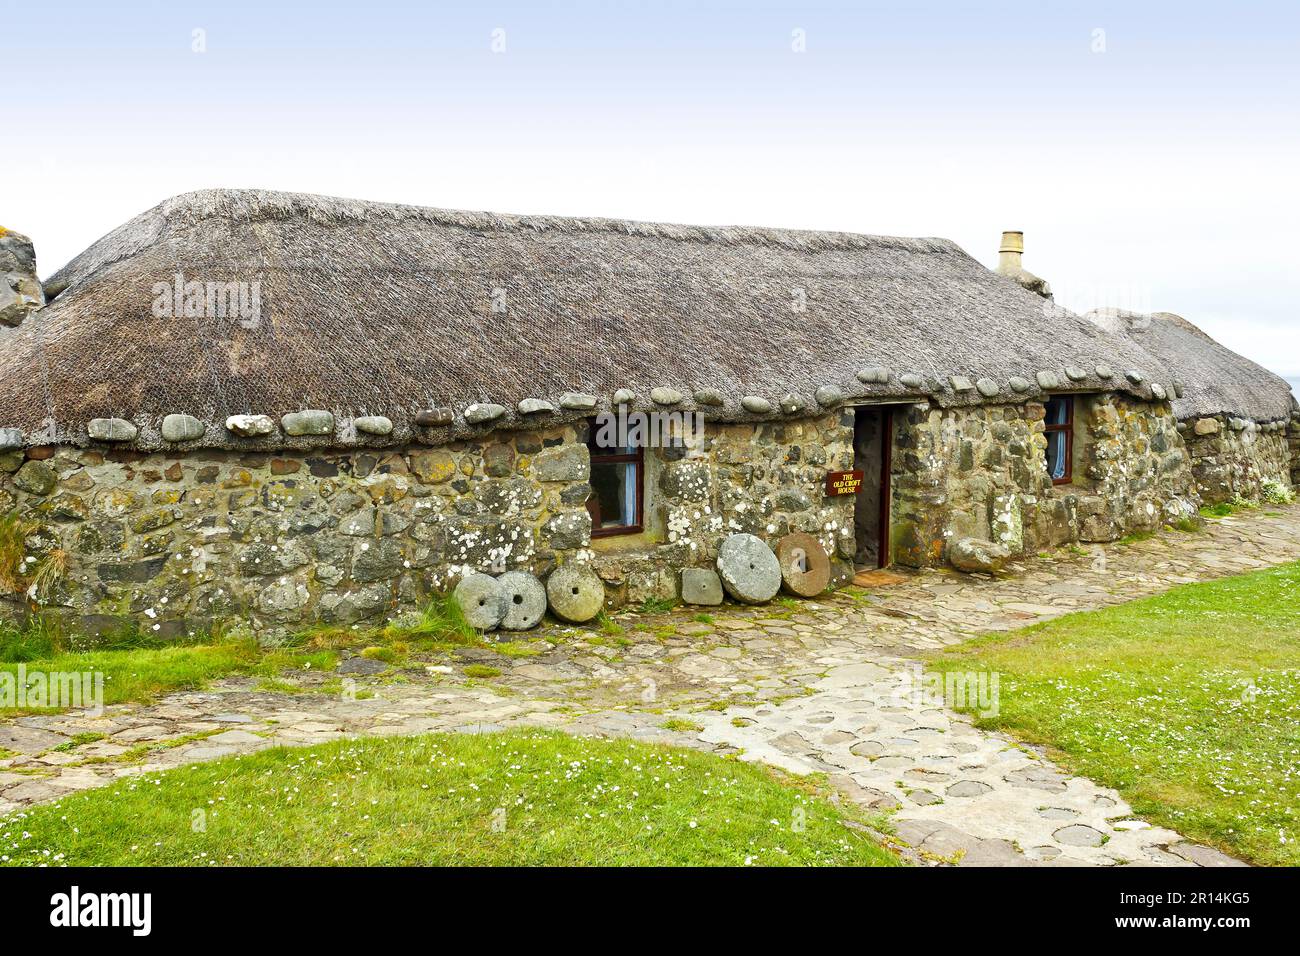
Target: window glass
613 486
1058 411
616 476
1058 427
1056 454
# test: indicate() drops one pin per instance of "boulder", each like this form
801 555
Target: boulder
481 412
181 428
748 568
828 396
577 400
309 422
570 462
250 426
36 478
20 291
535 406
374 425
111 429
974 554
434 417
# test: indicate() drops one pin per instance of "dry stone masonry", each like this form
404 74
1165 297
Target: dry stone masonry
228 478
181 542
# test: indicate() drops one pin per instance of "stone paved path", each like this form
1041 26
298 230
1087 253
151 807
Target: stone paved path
812 686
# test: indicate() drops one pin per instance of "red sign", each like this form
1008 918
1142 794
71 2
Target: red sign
843 483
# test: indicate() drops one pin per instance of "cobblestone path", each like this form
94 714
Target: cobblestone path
807 687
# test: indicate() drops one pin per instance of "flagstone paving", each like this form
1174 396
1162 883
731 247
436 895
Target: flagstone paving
826 685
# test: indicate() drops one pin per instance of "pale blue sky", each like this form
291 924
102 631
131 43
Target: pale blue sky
1158 174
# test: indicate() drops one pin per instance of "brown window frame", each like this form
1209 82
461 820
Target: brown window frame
593 503
1068 427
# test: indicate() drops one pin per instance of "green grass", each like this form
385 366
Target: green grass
1226 509
1135 537
138 667
1187 702
508 799
685 726
656 606
143 674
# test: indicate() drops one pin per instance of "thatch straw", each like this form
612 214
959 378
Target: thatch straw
379 309
1215 380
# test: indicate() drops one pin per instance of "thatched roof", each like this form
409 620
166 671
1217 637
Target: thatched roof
387 310
1214 379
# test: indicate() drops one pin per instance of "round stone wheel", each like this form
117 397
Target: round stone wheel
805 566
525 600
482 600
576 594
748 568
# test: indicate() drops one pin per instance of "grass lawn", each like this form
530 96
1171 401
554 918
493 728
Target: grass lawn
138 668
143 674
1188 703
513 798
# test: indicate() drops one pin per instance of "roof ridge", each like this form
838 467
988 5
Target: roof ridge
207 203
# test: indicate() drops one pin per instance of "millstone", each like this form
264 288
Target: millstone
805 568
482 600
701 586
748 568
576 594
525 600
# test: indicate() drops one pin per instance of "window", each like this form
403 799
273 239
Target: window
1059 430
617 475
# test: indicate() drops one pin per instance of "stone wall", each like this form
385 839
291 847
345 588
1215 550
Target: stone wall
767 480
981 473
1232 456
180 543
1293 447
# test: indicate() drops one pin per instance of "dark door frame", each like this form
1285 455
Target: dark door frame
884 417
886 483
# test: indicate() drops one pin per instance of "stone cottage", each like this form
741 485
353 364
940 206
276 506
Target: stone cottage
285 408
1236 417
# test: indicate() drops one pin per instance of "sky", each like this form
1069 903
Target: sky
1148 150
